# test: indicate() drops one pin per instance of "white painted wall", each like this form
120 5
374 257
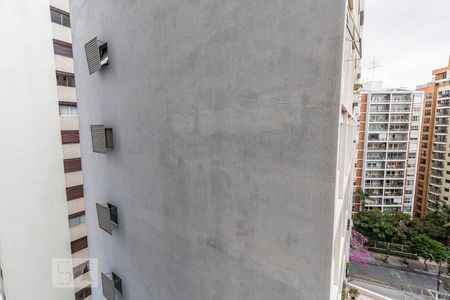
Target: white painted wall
33 208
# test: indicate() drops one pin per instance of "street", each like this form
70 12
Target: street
394 278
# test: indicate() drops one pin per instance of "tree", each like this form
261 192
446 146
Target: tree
364 196
358 251
429 249
385 227
433 224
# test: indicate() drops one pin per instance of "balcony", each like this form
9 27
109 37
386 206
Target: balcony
64 64
436 181
443 103
376 156
67 93
376 146
379 118
374 174
377 136
437 165
379 109
397 147
401 98
375 165
436 173
374 183
441 130
61 33
439 148
400 108
434 190
396 156
382 98
394 183
442 112
394 174
400 118
398 127
378 127
398 137
396 165
393 193
441 122
438 156
440 139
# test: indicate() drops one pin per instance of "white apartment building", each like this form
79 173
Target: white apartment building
391 139
41 202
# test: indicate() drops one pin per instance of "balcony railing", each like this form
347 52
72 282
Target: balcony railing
438 156
394 174
441 122
374 174
401 98
439 147
437 165
399 119
436 173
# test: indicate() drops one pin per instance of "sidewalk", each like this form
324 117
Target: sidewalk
411 266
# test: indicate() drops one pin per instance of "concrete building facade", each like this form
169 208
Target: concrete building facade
231 174
42 205
433 181
388 148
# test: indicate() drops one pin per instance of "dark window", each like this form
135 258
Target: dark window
70 136
83 294
74 192
79 244
59 17
72 165
63 49
447 190
428 103
429 96
65 80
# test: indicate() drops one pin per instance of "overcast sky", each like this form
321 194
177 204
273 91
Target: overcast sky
408 38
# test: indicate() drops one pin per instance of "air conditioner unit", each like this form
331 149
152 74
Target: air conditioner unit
110 284
102 138
107 217
96 55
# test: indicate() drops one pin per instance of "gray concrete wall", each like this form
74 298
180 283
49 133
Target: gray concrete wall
225 117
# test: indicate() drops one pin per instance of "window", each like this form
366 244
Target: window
61 48
66 110
77 221
428 104
60 17
446 189
429 96
65 80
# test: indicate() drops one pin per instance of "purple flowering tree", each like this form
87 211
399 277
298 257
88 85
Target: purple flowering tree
358 250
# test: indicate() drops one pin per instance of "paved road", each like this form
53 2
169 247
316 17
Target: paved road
387 292
401 280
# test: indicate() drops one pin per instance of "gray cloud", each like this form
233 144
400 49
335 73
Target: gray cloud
408 38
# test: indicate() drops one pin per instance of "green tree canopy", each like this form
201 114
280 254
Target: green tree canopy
386 227
429 249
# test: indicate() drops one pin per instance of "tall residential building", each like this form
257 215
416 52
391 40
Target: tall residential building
42 205
388 148
219 171
434 164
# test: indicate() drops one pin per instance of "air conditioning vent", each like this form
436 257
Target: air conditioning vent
107 217
102 138
96 55
110 284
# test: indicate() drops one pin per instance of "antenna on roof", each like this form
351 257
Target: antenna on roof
373 66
